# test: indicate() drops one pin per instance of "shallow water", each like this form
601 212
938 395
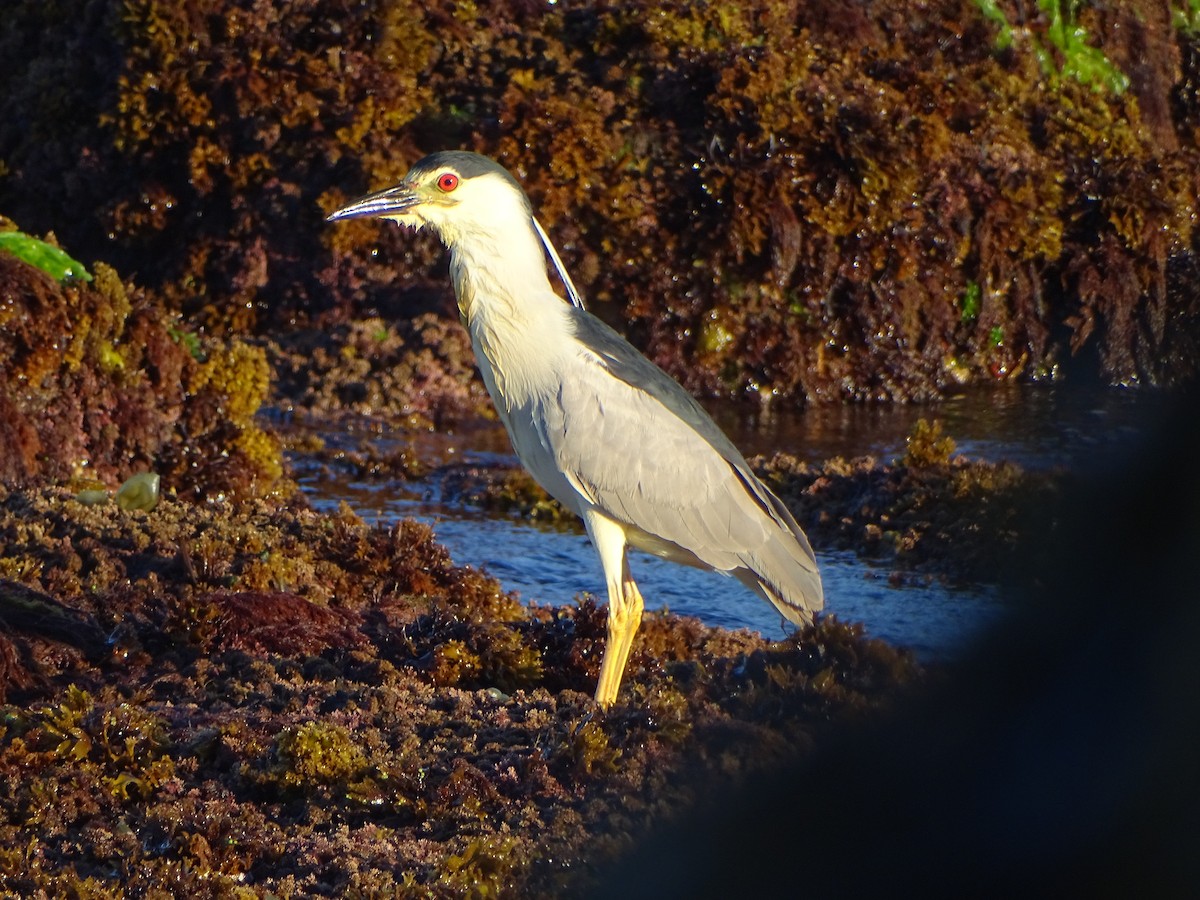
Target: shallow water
1035 426
549 566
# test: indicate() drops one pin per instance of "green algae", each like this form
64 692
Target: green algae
47 257
1078 57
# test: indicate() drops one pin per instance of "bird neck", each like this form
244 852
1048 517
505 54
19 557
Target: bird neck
517 324
500 277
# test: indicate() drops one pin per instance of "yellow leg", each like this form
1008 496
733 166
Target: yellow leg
624 617
624 603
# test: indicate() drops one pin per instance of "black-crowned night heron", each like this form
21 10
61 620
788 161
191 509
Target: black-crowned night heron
605 431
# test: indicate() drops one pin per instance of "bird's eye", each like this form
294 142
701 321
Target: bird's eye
447 181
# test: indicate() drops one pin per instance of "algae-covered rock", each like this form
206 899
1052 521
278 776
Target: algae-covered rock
100 382
318 706
776 201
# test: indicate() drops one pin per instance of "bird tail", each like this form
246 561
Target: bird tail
787 584
784 571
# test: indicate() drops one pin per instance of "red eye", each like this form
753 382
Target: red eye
447 181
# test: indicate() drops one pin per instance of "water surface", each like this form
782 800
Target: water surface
1036 426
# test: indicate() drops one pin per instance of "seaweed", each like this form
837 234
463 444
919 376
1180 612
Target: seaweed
932 510
50 259
778 203
108 393
385 720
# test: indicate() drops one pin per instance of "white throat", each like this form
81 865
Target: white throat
517 324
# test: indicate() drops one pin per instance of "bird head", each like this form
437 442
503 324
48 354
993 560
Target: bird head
467 199
456 193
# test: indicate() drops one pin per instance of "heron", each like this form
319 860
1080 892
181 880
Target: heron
600 427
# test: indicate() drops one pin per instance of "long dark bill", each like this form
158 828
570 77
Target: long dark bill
387 202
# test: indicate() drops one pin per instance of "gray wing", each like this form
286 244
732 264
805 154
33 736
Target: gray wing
644 453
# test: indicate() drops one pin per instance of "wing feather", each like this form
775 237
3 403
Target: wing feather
641 450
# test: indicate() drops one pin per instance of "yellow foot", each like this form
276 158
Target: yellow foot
624 617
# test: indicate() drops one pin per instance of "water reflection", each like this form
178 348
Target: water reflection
1035 425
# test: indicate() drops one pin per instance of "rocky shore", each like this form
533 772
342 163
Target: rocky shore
215 690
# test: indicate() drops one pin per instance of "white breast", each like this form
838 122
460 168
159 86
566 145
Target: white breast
523 360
